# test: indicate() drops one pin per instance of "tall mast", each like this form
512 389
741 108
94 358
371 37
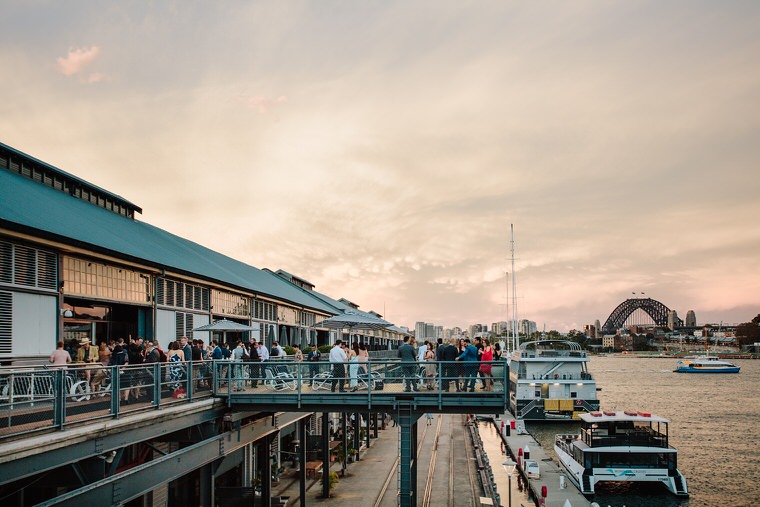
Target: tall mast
515 336
507 343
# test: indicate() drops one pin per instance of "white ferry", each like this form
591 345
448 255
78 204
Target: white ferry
549 380
623 447
705 364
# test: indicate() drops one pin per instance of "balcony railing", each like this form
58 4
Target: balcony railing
40 398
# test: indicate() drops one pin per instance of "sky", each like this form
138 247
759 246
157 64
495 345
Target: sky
381 150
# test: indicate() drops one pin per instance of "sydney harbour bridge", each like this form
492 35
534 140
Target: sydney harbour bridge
656 310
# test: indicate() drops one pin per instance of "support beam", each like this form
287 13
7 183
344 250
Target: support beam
264 463
325 455
132 483
302 460
407 421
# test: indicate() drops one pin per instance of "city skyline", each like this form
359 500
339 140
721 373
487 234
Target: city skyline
381 151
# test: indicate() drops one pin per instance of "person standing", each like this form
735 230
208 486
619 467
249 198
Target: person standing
187 349
237 358
470 359
408 357
60 357
449 355
264 358
353 366
313 359
430 367
175 358
421 351
338 358
485 365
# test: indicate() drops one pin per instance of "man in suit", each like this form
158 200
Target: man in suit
338 358
409 356
450 353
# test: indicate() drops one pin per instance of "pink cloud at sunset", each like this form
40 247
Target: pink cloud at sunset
76 60
263 104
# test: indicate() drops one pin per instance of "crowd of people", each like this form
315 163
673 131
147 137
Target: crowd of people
465 362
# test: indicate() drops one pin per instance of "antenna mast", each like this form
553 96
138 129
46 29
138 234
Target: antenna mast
515 337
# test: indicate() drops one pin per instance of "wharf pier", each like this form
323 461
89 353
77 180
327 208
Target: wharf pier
550 470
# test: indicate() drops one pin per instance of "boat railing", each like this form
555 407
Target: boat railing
565 441
533 354
556 376
629 440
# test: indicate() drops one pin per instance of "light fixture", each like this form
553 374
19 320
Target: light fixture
509 467
67 313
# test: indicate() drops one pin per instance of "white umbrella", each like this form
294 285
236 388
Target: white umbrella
353 321
224 326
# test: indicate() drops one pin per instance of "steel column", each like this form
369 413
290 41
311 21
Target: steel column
407 421
302 460
325 455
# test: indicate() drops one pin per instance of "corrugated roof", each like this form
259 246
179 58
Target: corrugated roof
71 177
27 204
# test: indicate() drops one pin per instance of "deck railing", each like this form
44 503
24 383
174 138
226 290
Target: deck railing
40 398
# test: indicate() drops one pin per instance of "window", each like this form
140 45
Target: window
264 310
177 294
28 267
87 278
226 303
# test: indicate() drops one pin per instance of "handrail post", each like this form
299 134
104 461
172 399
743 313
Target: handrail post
439 365
115 390
59 396
189 389
157 376
370 384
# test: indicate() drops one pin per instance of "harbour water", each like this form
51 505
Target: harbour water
714 426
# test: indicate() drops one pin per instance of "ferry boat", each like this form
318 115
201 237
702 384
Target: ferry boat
705 364
549 380
620 447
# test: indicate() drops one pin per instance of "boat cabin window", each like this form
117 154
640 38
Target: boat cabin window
573 394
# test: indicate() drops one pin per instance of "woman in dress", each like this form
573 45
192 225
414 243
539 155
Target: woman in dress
175 358
353 366
485 365
429 366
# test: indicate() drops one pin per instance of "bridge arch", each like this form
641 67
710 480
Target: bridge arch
658 311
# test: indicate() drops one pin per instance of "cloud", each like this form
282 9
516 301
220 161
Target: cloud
262 104
76 60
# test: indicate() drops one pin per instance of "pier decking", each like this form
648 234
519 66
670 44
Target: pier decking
550 471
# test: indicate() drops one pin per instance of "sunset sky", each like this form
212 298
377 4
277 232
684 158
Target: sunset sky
382 149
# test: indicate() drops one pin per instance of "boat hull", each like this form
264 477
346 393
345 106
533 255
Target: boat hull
587 479
688 369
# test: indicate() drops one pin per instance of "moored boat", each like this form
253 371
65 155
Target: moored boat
624 446
705 364
549 380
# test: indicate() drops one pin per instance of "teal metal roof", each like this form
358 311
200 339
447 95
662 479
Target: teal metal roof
26 204
70 177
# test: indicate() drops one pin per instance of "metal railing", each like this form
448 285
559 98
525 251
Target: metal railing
43 397
40 398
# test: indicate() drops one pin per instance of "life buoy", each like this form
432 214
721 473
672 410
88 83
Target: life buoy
609 413
644 414
596 414
556 376
630 412
578 402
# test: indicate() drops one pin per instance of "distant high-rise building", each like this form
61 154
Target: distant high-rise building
672 319
527 327
598 327
691 319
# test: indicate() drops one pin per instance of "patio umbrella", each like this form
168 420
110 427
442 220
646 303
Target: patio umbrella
352 321
224 326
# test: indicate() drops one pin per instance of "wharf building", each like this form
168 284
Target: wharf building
76 264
